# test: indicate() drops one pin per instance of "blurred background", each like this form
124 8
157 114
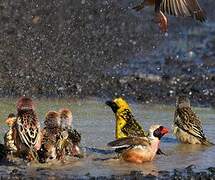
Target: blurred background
103 48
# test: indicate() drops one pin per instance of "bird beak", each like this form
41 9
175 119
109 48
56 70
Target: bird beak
164 131
113 105
109 103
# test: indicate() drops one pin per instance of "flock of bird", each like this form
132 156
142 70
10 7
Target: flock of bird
137 146
25 138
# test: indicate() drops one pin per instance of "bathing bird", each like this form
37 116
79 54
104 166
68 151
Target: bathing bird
141 149
52 138
66 118
187 125
182 8
8 138
26 131
126 124
74 137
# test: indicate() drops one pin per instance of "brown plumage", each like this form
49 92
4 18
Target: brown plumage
187 125
184 8
66 118
26 131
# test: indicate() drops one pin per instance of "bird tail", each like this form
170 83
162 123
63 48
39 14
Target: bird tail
139 7
207 142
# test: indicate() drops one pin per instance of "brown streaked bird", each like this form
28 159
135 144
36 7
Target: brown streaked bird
26 131
51 137
187 125
74 137
141 149
184 8
66 118
8 138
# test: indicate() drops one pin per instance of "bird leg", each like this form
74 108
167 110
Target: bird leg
162 21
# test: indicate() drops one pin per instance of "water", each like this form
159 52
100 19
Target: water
96 123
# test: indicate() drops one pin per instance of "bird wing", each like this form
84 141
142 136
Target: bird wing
187 120
183 8
28 129
132 127
128 141
139 7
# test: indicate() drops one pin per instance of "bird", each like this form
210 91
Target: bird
8 137
74 137
141 149
184 8
26 131
126 124
66 118
52 140
187 125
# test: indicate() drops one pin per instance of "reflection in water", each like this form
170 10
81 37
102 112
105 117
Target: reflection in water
96 124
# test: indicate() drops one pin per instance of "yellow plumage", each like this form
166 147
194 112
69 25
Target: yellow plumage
126 124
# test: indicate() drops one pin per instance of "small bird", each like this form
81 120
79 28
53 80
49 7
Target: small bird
8 138
141 149
184 8
52 139
126 124
66 118
74 137
26 131
187 125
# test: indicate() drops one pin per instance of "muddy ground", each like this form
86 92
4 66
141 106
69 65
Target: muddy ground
81 48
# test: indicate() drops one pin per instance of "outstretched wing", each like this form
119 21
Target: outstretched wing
132 127
187 120
128 141
28 129
183 8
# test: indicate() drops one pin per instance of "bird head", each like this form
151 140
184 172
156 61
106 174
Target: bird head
182 101
157 131
66 118
11 119
25 103
118 104
52 119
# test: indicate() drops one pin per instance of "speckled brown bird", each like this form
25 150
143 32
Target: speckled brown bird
182 8
66 118
187 125
74 137
51 140
26 131
8 138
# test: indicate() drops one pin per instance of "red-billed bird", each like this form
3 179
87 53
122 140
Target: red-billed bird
184 8
141 149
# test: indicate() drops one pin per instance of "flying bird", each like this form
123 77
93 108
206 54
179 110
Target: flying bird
184 8
187 125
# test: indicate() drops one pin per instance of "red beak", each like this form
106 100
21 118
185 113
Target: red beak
164 131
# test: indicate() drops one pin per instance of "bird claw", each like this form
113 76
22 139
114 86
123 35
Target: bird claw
162 21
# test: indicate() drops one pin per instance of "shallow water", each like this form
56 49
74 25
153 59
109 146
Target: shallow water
96 123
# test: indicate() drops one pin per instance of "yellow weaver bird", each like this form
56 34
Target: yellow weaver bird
126 124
